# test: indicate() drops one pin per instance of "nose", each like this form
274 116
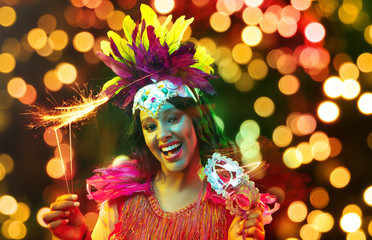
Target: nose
164 133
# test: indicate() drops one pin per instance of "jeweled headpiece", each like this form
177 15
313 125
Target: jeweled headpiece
152 97
150 54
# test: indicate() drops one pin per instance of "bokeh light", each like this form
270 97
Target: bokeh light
340 177
367 196
104 9
320 147
59 39
51 81
286 64
287 26
17 230
322 221
315 32
350 222
23 212
333 87
264 107
306 124
115 20
289 84
242 53
365 103
282 136
8 205
252 15
352 208
336 147
37 38
257 69
319 197
351 89
301 5
7 63
349 70
220 22
269 22
305 149
30 95
83 41
66 73
164 6
357 235
50 137
47 22
17 87
39 216
364 62
250 129
292 158
252 35
54 168
200 3
328 111
297 211
7 162
309 232
253 3
348 13
8 16
245 83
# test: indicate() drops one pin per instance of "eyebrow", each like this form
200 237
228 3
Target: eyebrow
145 120
164 112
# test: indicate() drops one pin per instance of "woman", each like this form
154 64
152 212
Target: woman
161 192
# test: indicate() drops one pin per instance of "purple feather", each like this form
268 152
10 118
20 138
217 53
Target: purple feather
154 63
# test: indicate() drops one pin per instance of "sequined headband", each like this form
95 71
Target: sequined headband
152 97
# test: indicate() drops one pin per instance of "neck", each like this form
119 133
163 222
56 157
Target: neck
188 178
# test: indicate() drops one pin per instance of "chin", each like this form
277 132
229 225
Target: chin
175 166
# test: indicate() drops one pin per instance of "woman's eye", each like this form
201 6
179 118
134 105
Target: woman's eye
174 119
150 127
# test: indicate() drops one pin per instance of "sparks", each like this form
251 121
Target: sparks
62 116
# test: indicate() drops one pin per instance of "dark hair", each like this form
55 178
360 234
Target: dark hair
210 136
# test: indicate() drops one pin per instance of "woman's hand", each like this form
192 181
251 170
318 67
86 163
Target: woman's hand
65 220
253 226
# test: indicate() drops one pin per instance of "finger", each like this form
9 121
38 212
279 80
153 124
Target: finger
249 224
67 197
64 205
57 223
255 232
256 215
52 215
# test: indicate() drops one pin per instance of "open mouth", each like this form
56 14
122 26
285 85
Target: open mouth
171 150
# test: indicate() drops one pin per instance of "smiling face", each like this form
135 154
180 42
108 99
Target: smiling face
171 138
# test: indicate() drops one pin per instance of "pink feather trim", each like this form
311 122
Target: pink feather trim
265 199
115 181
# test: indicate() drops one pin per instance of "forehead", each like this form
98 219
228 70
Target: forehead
166 108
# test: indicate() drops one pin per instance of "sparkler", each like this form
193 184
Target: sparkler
60 117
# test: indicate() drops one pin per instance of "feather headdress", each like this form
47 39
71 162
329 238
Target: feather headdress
150 52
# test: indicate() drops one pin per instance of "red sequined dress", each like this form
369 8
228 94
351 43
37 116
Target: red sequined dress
130 210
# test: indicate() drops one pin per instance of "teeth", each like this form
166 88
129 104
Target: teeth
166 149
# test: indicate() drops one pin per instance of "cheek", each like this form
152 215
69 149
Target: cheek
149 141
